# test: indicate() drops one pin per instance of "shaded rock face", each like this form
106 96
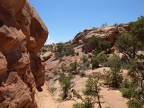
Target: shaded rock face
22 34
109 33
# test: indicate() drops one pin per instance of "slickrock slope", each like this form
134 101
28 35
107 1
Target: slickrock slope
22 34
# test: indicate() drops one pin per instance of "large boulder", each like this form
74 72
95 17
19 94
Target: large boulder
22 34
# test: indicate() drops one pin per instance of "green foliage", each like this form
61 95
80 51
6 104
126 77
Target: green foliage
99 44
132 66
83 34
84 58
65 81
128 45
47 78
114 75
73 67
138 29
134 104
84 64
86 104
63 49
77 105
104 24
97 60
68 50
128 88
59 48
63 67
53 89
92 87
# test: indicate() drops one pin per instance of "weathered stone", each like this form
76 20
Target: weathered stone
108 33
33 28
37 69
22 34
3 64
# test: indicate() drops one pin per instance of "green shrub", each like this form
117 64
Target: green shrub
65 81
68 50
84 58
114 75
73 67
63 67
63 49
99 44
127 88
92 88
47 78
134 104
97 60
85 104
77 105
53 89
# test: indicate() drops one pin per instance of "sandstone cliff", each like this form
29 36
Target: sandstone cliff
22 34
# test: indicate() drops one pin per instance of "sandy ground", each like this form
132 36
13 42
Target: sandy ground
112 98
45 99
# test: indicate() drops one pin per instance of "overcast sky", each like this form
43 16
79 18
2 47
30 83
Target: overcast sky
65 18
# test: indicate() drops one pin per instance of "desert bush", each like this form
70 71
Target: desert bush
68 50
73 67
92 88
99 44
128 45
85 63
134 104
53 89
84 58
128 88
63 49
137 29
63 67
65 81
87 103
114 75
47 78
97 60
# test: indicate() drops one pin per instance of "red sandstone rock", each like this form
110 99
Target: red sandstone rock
37 69
33 27
22 34
3 64
109 33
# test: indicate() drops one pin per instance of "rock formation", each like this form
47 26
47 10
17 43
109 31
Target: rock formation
22 34
109 33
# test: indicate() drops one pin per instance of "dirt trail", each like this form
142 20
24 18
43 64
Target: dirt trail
45 99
